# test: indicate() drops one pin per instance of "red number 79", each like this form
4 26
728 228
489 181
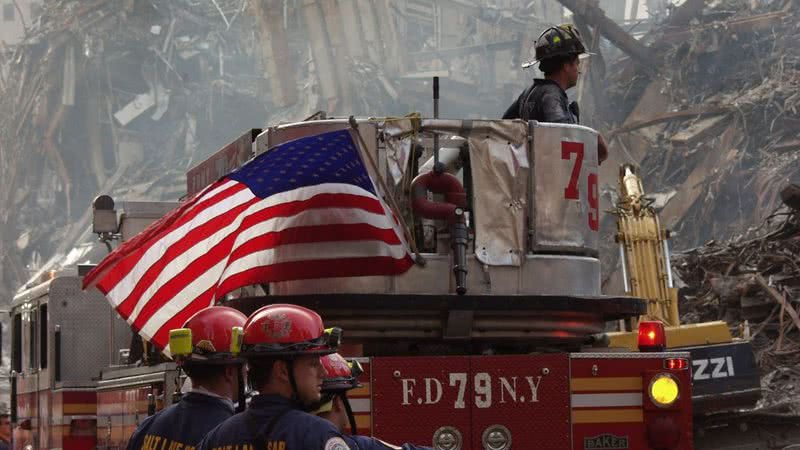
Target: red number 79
571 192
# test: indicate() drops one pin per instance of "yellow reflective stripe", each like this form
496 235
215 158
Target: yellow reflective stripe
363 422
362 391
607 415
71 409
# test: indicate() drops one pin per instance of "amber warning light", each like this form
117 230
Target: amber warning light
652 337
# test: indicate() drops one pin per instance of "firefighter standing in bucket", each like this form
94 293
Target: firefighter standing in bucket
206 348
283 345
341 376
559 51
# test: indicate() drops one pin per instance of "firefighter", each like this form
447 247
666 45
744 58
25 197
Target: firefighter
341 376
206 348
5 430
283 345
558 51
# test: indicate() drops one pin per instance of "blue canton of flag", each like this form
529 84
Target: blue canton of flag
328 158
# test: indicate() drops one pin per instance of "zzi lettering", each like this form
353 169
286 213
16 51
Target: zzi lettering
705 369
510 389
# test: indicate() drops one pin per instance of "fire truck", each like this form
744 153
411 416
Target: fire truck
495 339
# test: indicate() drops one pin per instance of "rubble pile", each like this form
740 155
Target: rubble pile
753 280
715 123
112 97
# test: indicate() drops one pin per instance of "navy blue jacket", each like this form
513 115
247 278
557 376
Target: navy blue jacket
369 443
185 422
291 429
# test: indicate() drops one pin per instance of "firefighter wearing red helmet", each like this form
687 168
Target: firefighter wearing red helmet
558 53
283 345
341 376
206 348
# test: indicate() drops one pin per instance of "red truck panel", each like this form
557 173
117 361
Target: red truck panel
610 401
119 412
528 395
496 398
413 397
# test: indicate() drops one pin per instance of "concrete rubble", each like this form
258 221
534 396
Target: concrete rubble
717 128
754 280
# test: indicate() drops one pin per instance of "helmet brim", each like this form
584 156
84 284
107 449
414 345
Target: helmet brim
535 62
263 351
216 360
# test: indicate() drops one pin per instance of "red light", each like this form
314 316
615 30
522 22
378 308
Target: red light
652 337
676 363
663 431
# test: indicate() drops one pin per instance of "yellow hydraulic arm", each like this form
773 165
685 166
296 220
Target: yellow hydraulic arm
644 251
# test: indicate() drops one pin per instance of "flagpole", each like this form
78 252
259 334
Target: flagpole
418 258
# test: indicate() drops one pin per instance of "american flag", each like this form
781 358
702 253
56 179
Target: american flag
305 209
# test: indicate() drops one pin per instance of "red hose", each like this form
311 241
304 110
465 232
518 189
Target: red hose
438 183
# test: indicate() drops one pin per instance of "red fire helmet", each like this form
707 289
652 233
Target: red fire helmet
288 330
340 374
215 337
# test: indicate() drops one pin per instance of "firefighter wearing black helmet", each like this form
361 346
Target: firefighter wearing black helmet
558 53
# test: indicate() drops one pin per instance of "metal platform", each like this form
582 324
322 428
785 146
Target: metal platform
550 320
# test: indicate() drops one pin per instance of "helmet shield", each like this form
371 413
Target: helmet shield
340 374
288 330
563 40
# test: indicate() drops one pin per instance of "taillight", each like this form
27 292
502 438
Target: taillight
667 406
676 363
663 390
652 337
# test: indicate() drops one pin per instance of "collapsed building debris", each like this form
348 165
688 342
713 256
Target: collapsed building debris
754 280
715 129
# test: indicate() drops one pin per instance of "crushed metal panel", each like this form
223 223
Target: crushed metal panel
500 171
398 135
